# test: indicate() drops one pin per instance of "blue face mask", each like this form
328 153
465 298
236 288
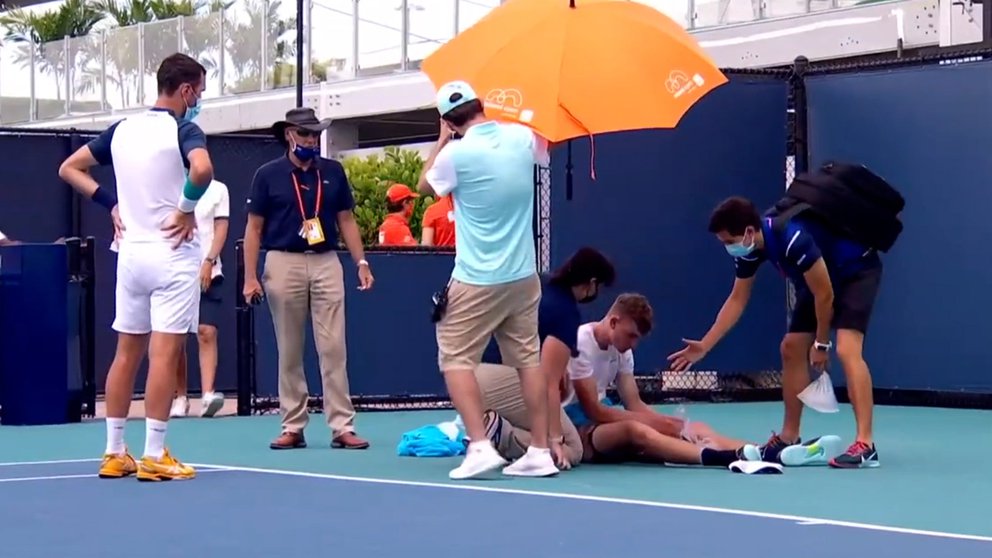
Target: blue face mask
191 113
305 153
739 249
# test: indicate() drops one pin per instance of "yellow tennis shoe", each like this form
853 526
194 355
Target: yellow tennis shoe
163 469
116 466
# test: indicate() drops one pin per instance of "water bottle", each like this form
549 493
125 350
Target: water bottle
682 414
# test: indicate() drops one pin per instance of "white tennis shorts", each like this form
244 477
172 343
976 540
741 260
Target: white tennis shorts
158 288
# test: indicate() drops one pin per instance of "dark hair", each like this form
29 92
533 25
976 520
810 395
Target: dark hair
637 308
176 70
584 266
733 215
393 207
461 114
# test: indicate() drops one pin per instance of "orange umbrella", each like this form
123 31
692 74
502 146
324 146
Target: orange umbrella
571 68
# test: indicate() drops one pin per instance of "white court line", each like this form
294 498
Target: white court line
93 475
51 462
647 503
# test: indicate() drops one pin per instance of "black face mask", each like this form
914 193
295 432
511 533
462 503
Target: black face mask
589 297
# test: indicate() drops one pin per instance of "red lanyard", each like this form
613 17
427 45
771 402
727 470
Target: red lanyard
299 196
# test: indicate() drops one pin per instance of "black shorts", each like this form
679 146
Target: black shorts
592 454
212 303
853 302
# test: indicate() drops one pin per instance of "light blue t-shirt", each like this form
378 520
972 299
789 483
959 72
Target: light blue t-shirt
490 172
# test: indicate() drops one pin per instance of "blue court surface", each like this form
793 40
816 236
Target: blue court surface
249 501
61 509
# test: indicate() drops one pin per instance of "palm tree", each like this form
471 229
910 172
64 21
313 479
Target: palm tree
245 46
118 57
40 37
160 38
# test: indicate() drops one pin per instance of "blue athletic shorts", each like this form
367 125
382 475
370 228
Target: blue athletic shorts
578 417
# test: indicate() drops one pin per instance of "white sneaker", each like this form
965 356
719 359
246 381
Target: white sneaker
751 452
180 407
534 463
480 458
211 403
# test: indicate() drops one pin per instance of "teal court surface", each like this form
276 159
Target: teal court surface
931 496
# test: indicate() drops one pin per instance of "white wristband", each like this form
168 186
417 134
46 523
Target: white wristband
363 262
186 205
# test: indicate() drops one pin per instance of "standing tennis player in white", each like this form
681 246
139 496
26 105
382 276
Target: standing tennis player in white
162 168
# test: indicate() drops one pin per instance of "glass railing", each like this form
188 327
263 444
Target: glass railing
250 46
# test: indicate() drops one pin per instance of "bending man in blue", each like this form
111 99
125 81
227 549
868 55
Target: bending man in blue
836 281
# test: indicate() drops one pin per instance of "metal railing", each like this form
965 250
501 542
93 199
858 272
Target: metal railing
251 47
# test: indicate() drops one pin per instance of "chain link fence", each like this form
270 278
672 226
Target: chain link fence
542 184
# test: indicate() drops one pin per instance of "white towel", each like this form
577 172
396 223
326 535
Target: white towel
819 395
756 468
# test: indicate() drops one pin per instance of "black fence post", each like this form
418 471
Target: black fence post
986 25
245 336
73 142
536 221
88 338
799 136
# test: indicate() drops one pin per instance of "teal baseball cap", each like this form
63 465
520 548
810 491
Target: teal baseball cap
453 95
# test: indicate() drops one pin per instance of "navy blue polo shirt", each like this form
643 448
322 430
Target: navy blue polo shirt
799 244
557 316
273 197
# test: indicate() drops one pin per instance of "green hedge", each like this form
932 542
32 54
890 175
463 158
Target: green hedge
371 176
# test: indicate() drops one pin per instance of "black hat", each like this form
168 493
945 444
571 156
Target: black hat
299 118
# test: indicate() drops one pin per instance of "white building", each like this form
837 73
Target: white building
362 57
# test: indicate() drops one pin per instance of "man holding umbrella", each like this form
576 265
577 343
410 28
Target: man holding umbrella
296 206
494 289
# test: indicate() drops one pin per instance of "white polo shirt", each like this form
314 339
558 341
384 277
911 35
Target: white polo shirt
215 204
148 152
603 365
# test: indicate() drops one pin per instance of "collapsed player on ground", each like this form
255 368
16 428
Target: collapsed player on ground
577 281
631 431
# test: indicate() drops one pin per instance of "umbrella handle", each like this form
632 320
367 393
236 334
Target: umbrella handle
568 171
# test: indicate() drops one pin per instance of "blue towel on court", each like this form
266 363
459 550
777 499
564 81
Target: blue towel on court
430 441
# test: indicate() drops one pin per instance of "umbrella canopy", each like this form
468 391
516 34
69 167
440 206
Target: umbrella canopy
572 68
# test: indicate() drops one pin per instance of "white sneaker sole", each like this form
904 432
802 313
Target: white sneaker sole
752 453
482 468
211 408
544 471
817 453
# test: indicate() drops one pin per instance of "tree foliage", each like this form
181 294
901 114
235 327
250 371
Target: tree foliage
371 176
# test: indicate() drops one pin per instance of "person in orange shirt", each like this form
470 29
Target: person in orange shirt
439 223
395 230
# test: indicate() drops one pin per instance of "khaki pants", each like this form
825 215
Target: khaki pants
477 313
500 386
297 285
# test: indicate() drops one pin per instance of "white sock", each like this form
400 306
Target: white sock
538 451
155 438
480 445
115 435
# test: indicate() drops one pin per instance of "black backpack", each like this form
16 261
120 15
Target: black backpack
848 199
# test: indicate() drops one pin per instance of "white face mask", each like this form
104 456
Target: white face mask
742 248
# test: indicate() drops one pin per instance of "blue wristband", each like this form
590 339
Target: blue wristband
104 197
